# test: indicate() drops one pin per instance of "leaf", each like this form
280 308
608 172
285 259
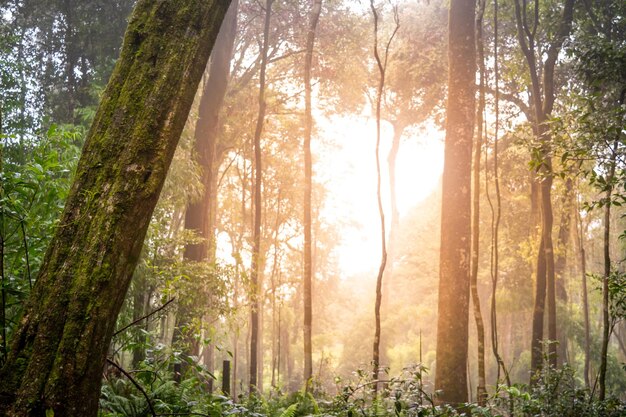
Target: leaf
290 411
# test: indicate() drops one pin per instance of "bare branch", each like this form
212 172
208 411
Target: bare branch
144 317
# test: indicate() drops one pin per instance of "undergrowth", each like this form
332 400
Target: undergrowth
557 393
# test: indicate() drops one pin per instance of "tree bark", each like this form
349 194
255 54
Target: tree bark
308 186
454 275
59 349
258 178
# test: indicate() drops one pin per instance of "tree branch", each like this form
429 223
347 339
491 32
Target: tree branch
144 317
135 383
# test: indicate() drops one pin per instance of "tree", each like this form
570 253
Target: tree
543 97
481 390
258 178
308 186
59 350
454 274
200 216
381 63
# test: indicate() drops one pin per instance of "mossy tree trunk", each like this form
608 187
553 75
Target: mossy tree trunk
59 349
454 275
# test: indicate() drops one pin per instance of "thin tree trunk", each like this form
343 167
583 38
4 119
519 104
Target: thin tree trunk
273 279
140 304
394 227
258 178
560 265
496 215
481 390
308 186
606 326
454 276
59 349
546 226
536 357
382 67
260 334
583 271
3 292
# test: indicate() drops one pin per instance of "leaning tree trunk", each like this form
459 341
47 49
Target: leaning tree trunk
59 349
452 325
308 186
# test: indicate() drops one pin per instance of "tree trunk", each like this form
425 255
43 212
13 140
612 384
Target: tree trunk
141 299
606 326
481 390
198 216
308 186
3 292
454 275
382 67
536 354
546 230
583 272
543 96
201 214
258 178
560 265
59 349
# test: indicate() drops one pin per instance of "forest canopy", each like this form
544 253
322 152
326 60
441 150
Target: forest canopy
287 208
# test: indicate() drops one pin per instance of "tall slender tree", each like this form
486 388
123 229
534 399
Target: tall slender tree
258 179
381 63
59 349
308 185
481 390
496 210
454 272
606 324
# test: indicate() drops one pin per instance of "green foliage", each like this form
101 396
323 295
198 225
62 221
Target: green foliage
36 176
556 393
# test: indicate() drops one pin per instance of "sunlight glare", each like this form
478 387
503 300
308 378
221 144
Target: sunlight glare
346 164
